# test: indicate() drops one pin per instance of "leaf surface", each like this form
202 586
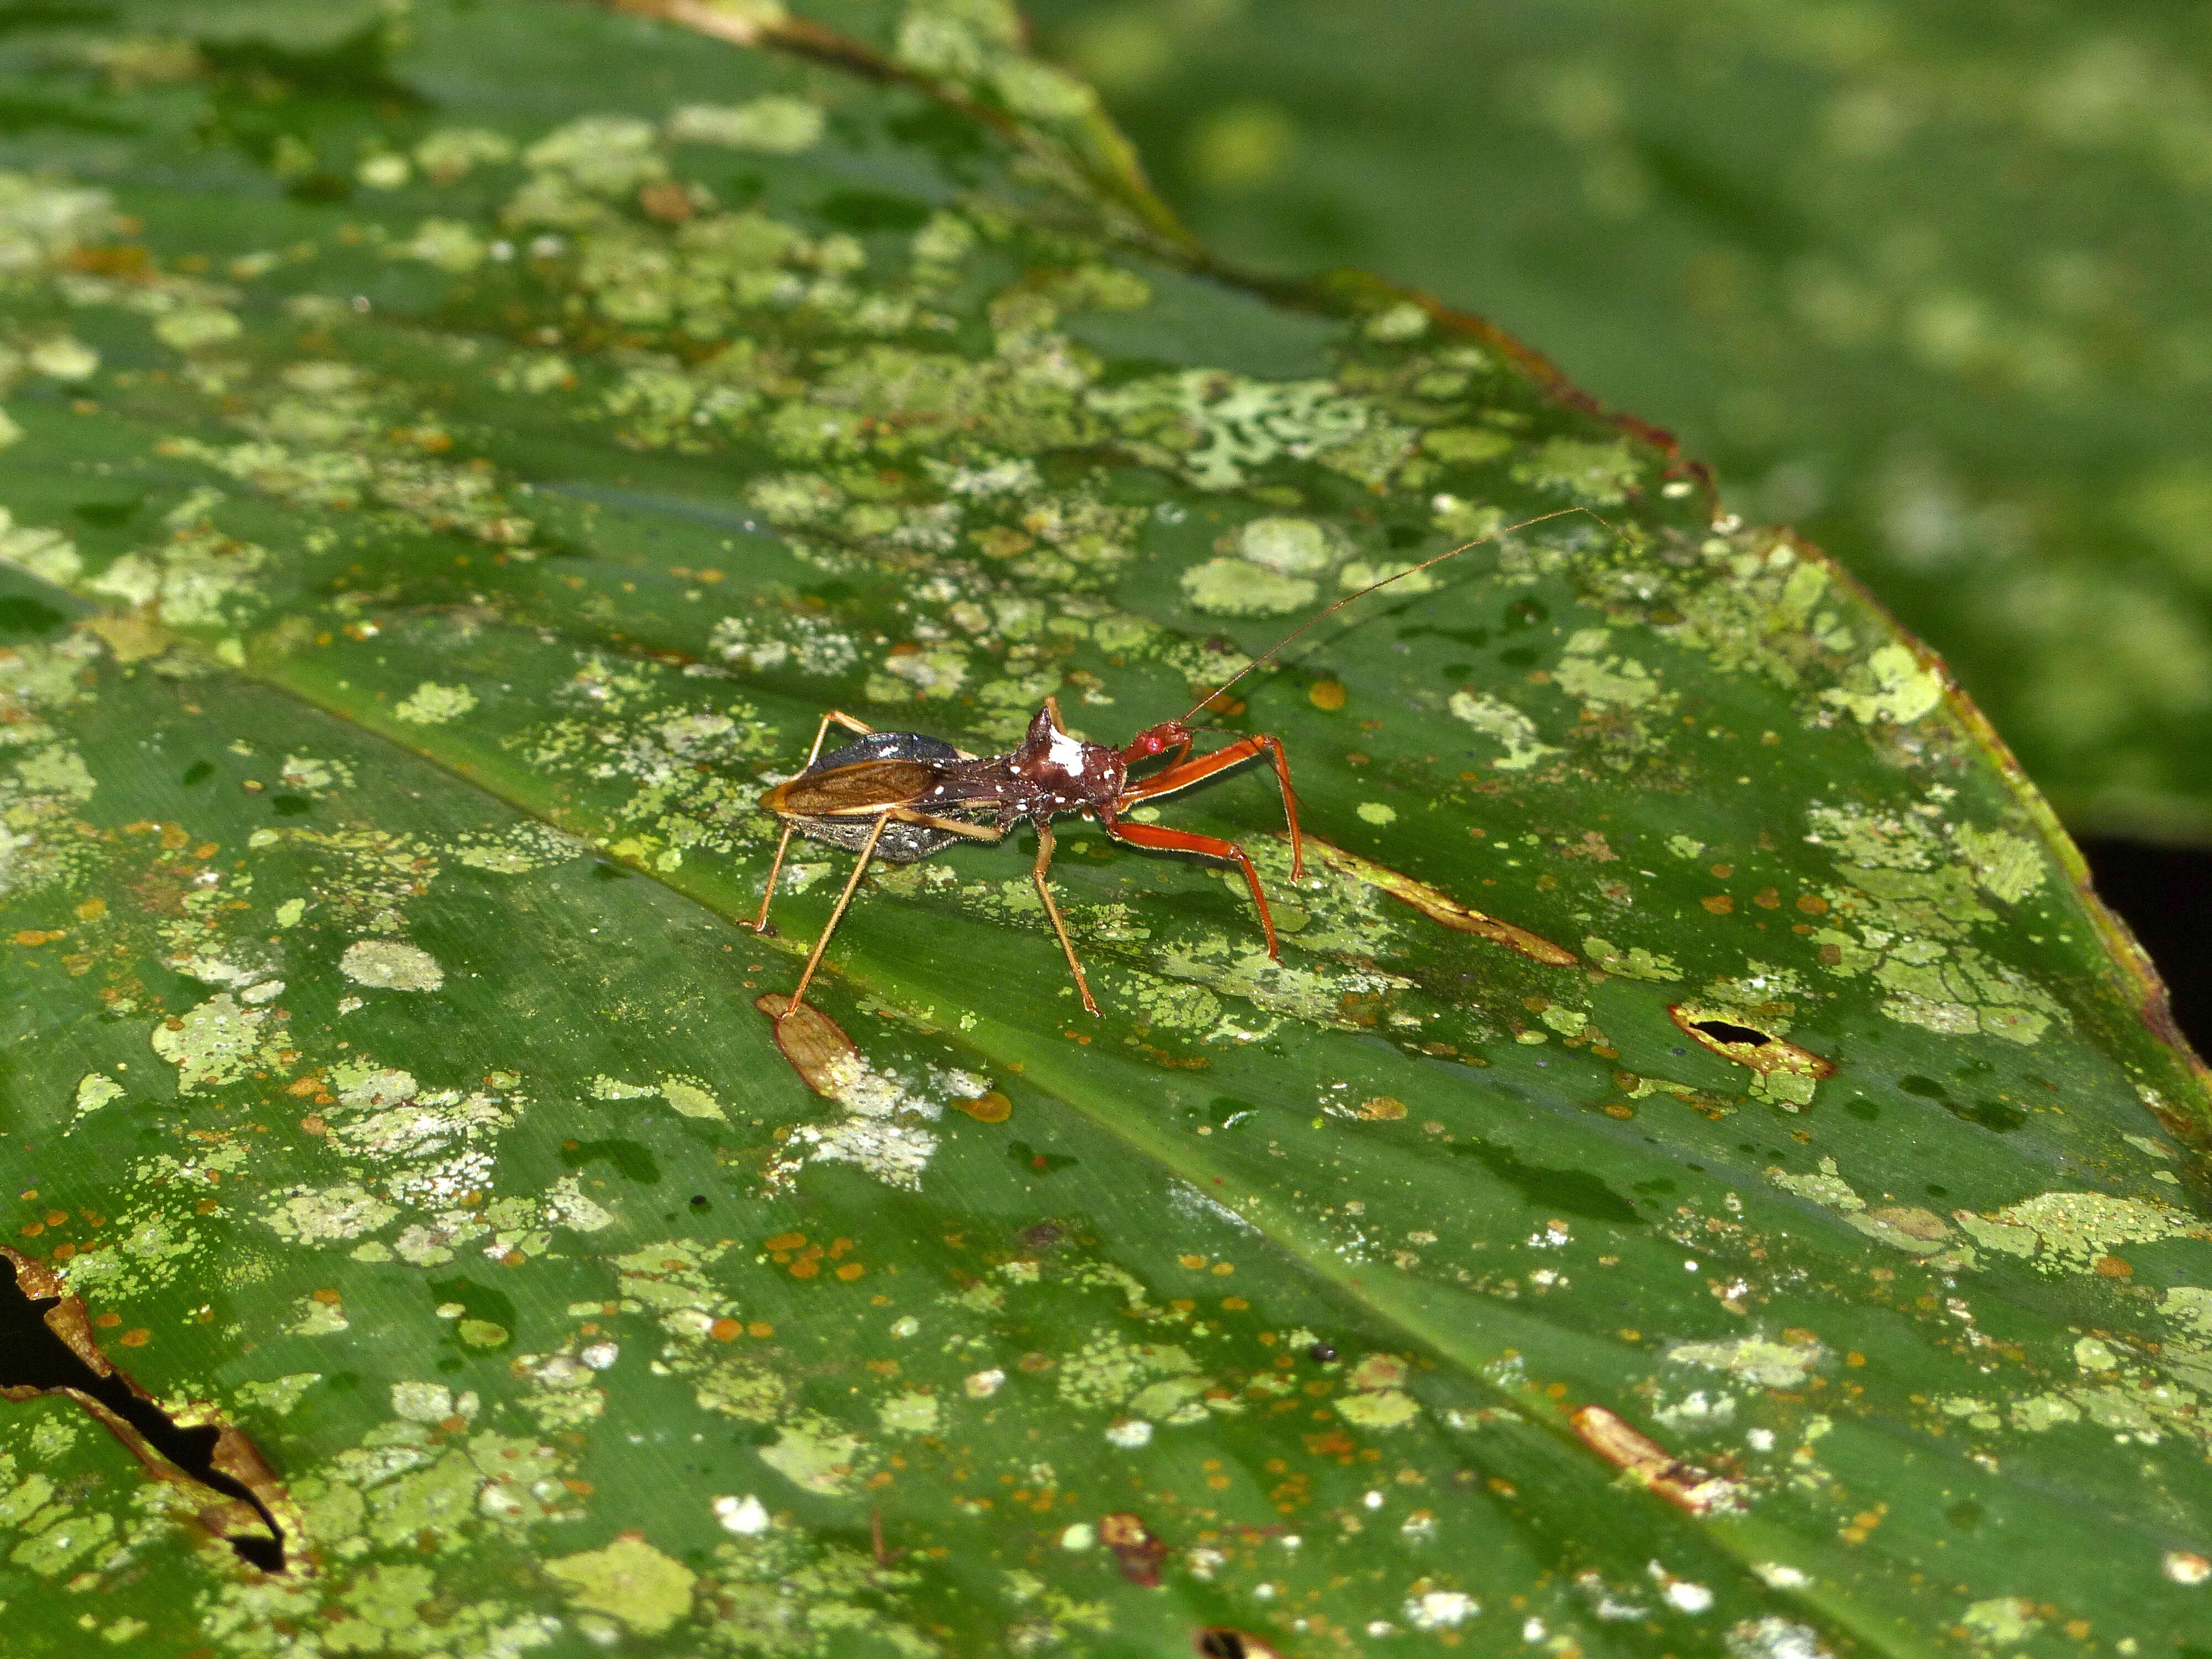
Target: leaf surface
1702 1176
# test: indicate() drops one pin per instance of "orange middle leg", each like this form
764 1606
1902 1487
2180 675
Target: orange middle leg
1187 773
1182 841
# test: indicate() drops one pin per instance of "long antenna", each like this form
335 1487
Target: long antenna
1316 620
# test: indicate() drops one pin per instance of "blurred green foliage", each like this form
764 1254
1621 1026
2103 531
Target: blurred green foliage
1929 282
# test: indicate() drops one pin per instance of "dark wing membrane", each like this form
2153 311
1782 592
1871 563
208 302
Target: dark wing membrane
864 787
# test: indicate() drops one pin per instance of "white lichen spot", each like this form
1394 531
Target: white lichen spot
387 965
2186 1567
746 1516
1440 1610
1775 1637
1129 1433
882 1131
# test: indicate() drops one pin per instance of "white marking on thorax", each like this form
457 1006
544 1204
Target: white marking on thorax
1066 754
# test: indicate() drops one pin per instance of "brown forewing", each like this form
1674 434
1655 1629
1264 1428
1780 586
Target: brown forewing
863 786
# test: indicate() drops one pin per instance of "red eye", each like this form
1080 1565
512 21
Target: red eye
1153 745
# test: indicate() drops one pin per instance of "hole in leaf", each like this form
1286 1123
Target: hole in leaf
46 1346
1762 1052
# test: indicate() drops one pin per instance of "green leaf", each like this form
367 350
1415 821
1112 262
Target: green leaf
1701 1176
1928 283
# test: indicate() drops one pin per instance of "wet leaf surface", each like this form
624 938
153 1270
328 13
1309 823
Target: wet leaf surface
493 477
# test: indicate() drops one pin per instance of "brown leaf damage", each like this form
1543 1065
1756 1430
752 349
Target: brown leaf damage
46 1346
1650 1464
1440 906
1727 1035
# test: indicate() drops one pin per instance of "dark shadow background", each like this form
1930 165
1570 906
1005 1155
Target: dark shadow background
2165 894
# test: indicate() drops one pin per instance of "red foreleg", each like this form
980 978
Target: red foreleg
1182 776
1182 841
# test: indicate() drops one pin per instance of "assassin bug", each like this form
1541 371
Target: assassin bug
901 796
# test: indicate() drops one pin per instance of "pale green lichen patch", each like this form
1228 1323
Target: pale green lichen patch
1911 1227
630 1581
1498 719
1107 1371
518 850
1635 962
1238 587
1291 547
328 1215
95 1089
815 1454
2006 866
1600 678
692 1098
1756 1359
431 704
1891 686
216 1042
774 124
1376 1398
2075 1230
1594 474
275 1395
